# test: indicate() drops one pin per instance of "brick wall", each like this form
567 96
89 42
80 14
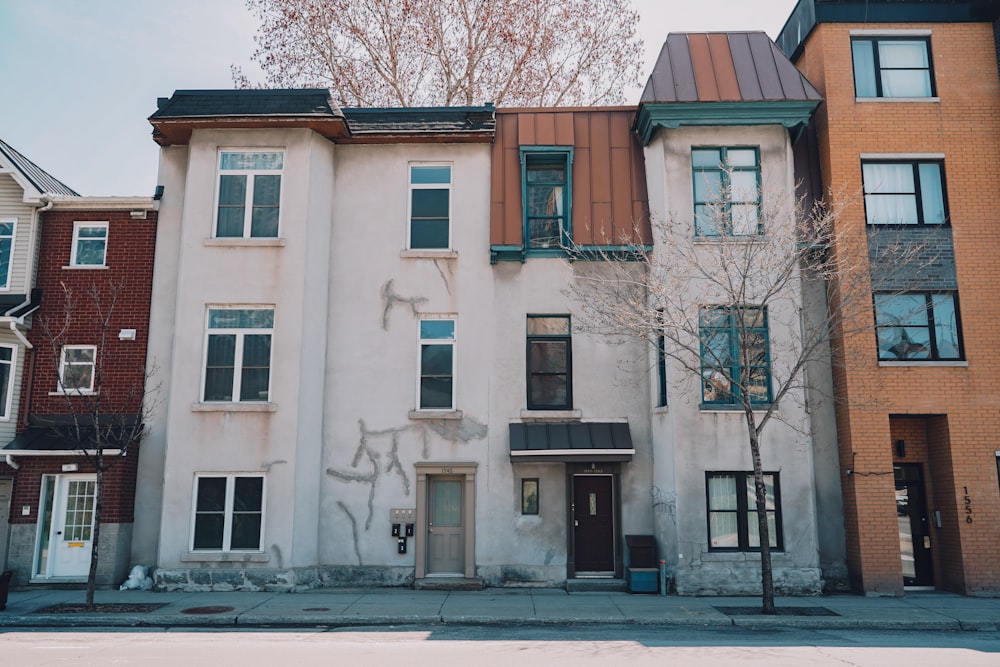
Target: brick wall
964 126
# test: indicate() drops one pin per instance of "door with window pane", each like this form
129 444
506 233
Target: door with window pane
71 527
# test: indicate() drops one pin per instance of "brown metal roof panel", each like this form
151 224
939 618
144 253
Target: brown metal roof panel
682 69
582 199
512 222
526 129
564 129
621 195
704 70
767 70
621 128
725 71
545 129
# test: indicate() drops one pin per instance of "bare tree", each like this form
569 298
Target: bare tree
707 300
104 417
407 53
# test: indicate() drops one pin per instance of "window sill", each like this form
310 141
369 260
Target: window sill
923 364
435 414
661 409
85 267
251 243
731 238
543 415
234 407
73 392
897 99
429 254
225 557
738 556
734 409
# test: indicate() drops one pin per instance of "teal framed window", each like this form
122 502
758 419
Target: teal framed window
918 326
904 193
436 384
732 511
726 190
661 364
734 355
249 195
549 363
892 67
8 357
7 228
546 186
238 355
430 207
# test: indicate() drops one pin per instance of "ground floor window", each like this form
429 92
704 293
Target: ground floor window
228 513
732 511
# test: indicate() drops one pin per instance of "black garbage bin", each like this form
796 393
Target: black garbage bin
4 588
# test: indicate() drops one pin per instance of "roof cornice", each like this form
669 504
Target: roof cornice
792 114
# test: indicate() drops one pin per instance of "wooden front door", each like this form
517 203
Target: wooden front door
594 524
445 526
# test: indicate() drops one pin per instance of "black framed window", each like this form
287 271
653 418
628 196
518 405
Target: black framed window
228 513
549 363
732 511
892 67
661 365
904 193
918 326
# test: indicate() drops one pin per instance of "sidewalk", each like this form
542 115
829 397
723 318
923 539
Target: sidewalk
394 606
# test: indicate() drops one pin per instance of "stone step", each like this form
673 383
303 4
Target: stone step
585 584
448 584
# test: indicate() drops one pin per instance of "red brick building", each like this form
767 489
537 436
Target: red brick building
911 122
86 362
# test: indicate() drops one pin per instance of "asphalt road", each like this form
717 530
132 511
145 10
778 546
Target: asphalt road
486 646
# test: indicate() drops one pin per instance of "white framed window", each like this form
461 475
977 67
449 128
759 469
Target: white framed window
430 207
7 229
228 512
436 372
238 354
90 244
8 359
76 368
249 193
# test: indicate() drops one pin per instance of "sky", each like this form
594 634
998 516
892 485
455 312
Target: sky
79 78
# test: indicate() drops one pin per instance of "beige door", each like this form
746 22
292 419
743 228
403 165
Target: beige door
445 526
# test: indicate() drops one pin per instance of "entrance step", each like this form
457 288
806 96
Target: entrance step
596 584
448 584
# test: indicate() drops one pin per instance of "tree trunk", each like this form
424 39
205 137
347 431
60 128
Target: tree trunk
96 542
760 495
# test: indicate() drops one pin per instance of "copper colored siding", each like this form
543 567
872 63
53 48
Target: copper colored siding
609 178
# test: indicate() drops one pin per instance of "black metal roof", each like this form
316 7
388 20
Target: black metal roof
299 102
571 441
421 120
40 179
51 434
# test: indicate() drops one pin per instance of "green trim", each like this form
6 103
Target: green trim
506 253
793 115
621 253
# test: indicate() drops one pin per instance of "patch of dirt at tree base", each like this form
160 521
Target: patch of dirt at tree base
101 608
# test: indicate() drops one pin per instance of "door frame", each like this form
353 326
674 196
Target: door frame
612 470
46 516
466 471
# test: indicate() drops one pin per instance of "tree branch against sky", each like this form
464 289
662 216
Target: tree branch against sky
404 53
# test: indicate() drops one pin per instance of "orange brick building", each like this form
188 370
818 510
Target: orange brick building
911 123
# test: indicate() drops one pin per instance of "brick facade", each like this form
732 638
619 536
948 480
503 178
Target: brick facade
946 413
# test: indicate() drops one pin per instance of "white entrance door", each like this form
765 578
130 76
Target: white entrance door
72 526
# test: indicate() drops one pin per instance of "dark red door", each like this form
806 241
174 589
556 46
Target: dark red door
593 524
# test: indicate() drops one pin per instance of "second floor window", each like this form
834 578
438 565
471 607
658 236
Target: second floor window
726 191
550 363
734 354
238 354
76 368
546 183
892 67
437 364
917 326
430 207
249 194
6 251
90 244
904 193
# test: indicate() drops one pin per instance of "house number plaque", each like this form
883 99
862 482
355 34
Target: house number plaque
968 505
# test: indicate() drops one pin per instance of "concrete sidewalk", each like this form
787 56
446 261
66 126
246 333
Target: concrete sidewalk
498 606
